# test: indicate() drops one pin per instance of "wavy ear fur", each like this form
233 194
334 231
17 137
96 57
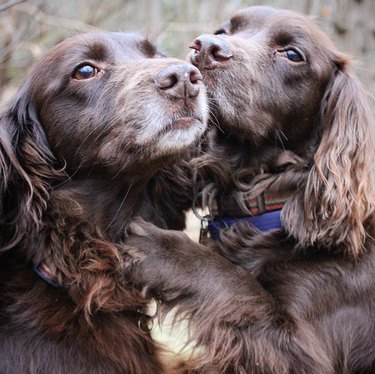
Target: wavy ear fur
339 194
25 171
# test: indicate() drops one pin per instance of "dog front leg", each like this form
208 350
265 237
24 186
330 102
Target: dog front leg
237 326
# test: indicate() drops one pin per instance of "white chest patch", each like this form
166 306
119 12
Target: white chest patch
172 334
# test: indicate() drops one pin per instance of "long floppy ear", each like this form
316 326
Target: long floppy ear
339 195
25 172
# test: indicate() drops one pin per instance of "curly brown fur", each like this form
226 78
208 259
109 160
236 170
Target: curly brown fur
79 156
288 115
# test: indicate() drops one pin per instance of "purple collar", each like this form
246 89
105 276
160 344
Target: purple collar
263 222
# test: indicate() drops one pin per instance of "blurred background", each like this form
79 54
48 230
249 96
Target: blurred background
29 27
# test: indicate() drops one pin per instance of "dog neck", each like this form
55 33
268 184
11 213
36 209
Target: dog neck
107 205
101 209
243 182
240 180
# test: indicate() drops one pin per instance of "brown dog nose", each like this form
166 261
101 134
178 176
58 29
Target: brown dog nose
210 52
179 81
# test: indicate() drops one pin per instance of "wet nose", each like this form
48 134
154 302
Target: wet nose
179 81
210 52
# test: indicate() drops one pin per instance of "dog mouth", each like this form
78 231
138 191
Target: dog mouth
182 123
179 133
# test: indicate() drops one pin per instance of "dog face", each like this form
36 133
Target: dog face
111 100
266 72
101 107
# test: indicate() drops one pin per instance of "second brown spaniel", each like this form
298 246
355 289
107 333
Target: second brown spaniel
293 148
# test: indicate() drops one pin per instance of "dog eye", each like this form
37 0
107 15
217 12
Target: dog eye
293 55
85 72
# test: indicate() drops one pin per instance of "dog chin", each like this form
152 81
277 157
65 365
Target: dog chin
183 134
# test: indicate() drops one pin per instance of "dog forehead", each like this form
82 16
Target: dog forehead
254 17
96 48
260 17
278 26
108 47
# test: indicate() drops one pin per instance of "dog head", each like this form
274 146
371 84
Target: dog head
103 105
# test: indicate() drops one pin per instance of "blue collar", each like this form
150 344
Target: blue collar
263 222
43 272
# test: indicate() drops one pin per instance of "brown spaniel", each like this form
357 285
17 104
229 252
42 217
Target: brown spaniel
287 174
81 151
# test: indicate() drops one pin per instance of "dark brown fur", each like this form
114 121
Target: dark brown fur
78 158
296 300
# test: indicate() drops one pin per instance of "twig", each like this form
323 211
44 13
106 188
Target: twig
9 4
48 19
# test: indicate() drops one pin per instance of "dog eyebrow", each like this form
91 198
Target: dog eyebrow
147 48
235 22
96 51
282 37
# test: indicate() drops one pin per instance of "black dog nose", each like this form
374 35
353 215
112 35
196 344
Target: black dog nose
210 52
179 81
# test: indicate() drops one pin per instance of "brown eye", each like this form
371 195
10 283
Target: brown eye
85 72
